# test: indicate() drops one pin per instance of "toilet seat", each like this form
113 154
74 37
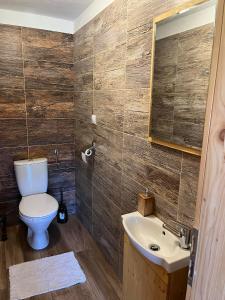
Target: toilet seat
38 206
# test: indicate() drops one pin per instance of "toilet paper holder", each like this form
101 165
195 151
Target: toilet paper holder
88 153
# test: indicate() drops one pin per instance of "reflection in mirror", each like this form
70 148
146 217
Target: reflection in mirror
183 49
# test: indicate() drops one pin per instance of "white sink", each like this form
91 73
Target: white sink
145 231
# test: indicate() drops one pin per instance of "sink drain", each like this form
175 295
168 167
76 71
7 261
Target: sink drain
154 247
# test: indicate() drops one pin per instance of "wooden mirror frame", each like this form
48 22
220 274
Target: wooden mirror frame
172 12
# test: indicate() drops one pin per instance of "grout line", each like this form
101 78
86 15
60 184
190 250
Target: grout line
25 96
181 169
125 79
111 90
35 145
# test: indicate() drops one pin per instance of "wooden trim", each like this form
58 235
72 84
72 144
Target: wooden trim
177 9
152 73
168 14
189 150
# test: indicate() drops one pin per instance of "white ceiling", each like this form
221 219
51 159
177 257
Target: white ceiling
63 9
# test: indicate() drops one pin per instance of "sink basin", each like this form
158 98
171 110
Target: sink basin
154 242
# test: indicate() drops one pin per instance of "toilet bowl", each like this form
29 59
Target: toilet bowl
37 209
37 212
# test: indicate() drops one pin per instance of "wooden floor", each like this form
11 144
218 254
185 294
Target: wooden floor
101 282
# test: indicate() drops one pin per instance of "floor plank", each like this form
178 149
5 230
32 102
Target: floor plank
101 284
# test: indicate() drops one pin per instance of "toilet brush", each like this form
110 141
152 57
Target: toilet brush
62 215
4 231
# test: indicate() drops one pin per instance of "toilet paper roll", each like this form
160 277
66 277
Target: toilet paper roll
84 157
88 152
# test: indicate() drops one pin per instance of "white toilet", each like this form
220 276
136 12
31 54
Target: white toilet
37 209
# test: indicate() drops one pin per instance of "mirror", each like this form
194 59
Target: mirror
182 47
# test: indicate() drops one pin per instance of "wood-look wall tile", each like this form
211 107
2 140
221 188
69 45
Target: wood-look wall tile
11 42
111 80
65 157
130 191
106 241
84 176
112 14
109 212
149 166
114 36
173 3
44 75
86 31
165 210
49 104
83 42
138 62
69 198
9 190
109 146
47 45
41 131
136 112
188 189
108 107
47 151
153 154
84 213
83 48
83 105
60 178
84 136
11 73
12 104
140 31
84 66
110 26
107 180
13 133
50 131
12 204
83 82
65 131
142 12
111 59
8 156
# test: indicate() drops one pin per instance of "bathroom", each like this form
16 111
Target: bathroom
81 97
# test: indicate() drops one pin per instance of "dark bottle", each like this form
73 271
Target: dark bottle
62 215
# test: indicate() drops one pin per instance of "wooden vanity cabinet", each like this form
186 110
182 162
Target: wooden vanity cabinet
143 280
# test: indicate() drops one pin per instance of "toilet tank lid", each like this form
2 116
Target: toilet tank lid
29 161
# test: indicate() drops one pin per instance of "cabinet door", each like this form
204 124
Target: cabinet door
140 280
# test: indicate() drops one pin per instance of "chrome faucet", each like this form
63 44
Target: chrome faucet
184 234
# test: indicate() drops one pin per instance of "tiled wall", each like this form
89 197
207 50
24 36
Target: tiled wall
112 66
36 108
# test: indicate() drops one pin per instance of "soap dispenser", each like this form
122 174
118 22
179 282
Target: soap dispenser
62 215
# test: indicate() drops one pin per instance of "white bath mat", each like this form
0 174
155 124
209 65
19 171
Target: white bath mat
44 275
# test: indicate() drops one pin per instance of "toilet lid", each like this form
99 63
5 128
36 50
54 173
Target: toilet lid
39 205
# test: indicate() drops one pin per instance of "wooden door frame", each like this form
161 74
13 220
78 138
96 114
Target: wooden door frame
211 166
